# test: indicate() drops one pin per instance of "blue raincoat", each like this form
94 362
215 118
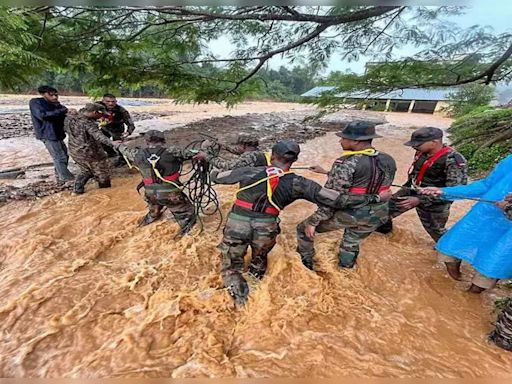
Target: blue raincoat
483 237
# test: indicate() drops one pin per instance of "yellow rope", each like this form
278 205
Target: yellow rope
367 152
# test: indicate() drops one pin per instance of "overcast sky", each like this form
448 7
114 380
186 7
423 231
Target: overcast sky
494 13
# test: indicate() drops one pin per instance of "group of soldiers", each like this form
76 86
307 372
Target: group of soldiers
356 197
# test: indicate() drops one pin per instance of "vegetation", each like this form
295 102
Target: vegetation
168 47
469 97
484 137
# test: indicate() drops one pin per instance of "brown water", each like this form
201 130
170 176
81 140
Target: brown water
87 294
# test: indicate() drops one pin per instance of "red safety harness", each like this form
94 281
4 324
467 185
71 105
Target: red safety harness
427 164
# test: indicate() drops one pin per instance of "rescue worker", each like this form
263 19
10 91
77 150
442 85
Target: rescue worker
246 147
502 334
113 124
160 166
359 169
253 221
435 165
85 146
48 116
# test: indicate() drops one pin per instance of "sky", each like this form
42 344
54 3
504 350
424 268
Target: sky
494 13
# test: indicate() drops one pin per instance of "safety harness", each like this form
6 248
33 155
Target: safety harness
427 164
377 173
272 181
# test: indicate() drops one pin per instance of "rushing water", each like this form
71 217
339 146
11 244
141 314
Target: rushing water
88 294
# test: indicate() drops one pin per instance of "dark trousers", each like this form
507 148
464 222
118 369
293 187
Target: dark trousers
59 153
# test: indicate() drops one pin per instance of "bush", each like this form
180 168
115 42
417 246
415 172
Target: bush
483 136
469 97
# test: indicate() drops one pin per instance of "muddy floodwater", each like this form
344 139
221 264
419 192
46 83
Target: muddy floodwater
85 293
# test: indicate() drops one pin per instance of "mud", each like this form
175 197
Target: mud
88 294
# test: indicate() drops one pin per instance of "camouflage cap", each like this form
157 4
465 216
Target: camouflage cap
247 138
423 135
358 130
286 147
94 107
154 135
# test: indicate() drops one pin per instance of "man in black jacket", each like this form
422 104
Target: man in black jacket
48 121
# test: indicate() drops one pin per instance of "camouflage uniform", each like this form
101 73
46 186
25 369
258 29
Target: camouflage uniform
353 172
85 147
158 193
247 159
257 225
448 170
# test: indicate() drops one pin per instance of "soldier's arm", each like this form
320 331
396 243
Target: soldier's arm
127 152
309 190
339 178
234 176
456 170
93 129
127 119
247 159
185 154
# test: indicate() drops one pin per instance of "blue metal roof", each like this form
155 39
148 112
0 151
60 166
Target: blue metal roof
402 94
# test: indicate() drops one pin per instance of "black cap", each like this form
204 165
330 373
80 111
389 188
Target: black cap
286 147
423 135
154 135
94 107
358 130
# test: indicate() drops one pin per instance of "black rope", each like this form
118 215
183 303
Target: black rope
199 186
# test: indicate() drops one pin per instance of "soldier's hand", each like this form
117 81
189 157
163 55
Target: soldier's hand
430 191
318 169
502 204
408 202
206 144
125 135
200 156
309 231
385 195
508 197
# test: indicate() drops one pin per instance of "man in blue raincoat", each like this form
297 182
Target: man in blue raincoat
483 237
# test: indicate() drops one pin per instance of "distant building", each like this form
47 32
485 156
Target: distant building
433 101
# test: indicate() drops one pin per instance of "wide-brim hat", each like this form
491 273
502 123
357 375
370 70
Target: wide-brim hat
359 131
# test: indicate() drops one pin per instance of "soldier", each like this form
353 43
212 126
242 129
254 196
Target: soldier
435 165
160 169
253 220
247 150
502 334
85 139
360 169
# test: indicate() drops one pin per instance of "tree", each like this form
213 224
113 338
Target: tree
468 97
126 47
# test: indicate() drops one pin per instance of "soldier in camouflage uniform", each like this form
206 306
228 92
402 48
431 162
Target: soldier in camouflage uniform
253 220
116 117
85 146
247 150
360 169
435 165
502 334
159 166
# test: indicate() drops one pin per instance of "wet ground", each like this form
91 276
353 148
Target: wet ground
88 294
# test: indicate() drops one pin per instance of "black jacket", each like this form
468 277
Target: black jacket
47 119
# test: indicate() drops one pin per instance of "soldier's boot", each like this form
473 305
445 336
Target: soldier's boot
475 289
258 266
236 286
307 261
386 228
347 259
186 223
305 247
104 184
79 186
149 218
453 269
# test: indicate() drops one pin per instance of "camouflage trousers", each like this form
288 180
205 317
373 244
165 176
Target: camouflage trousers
242 232
433 216
502 334
97 169
176 201
358 223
